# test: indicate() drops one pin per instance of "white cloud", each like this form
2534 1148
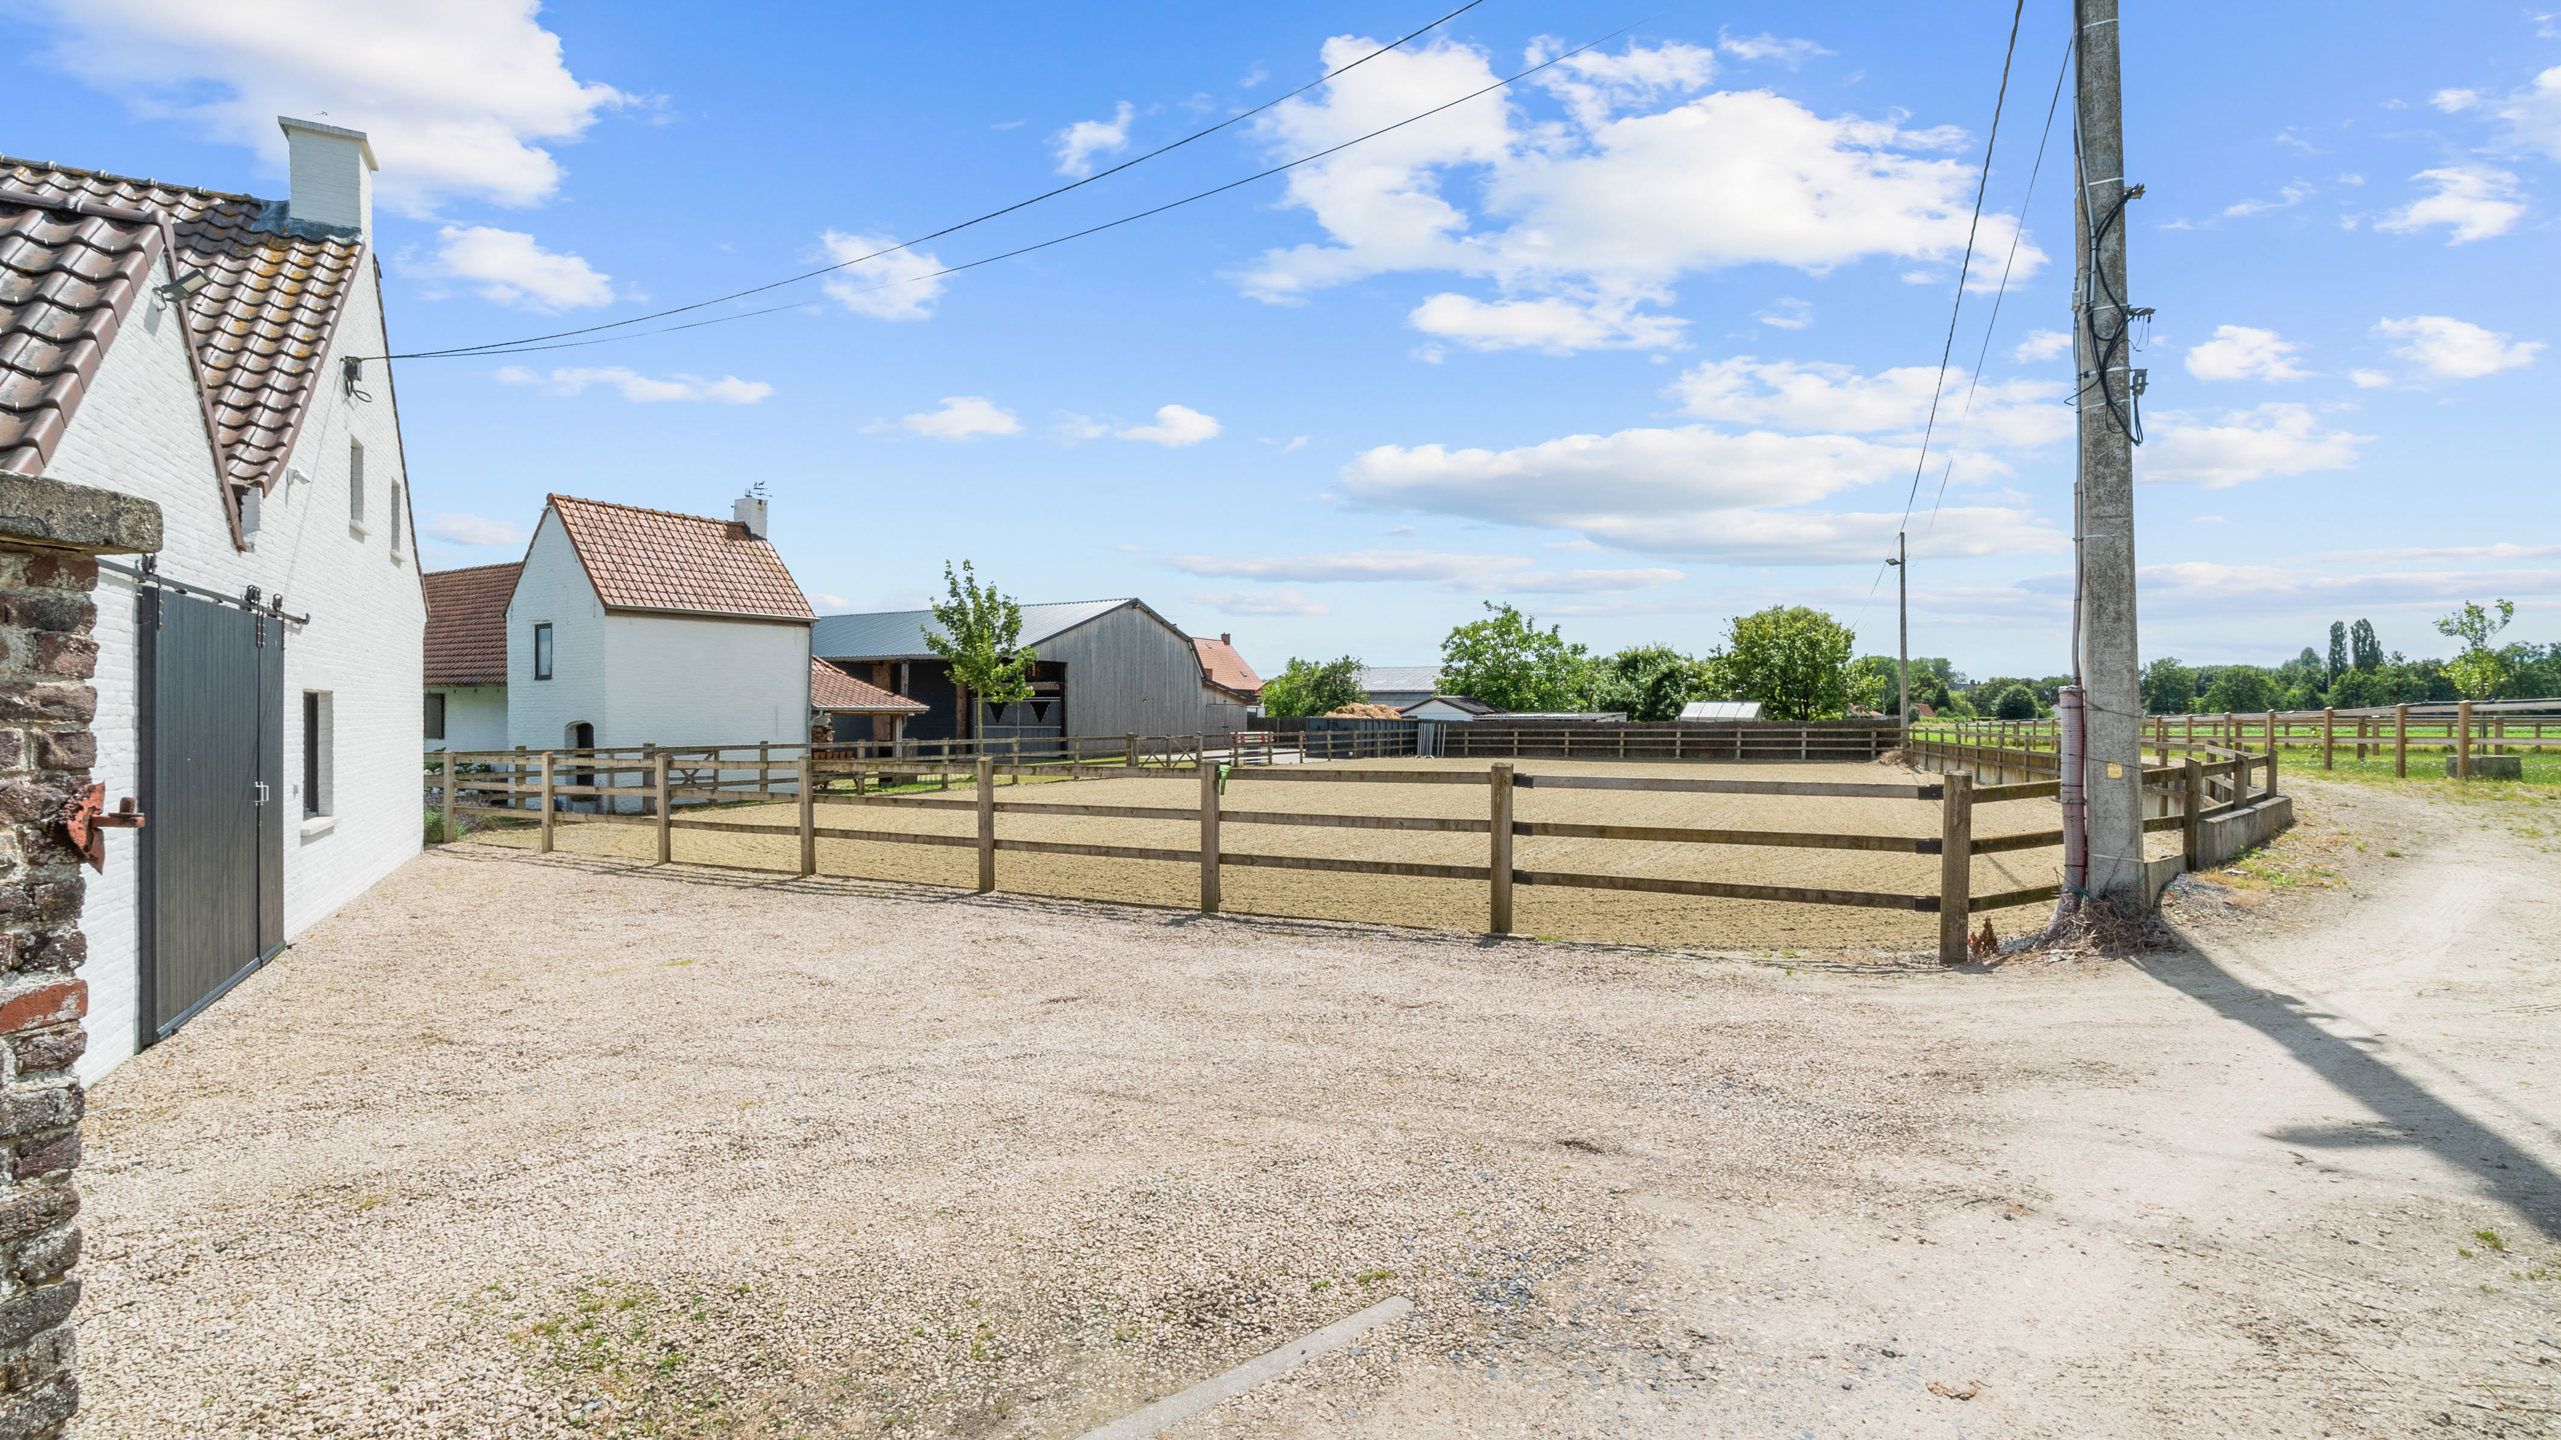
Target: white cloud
2244 445
963 417
2531 116
1786 313
2369 379
1260 602
2287 197
1176 426
2043 345
900 285
1506 574
1554 325
506 267
1687 491
636 387
1816 396
2451 349
2473 202
1597 84
2455 102
475 530
2213 588
1603 206
2245 352
1079 143
460 98
1784 50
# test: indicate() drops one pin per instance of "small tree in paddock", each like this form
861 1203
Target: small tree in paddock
2480 672
978 631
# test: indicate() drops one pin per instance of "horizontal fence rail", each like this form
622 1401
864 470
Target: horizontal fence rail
2461 731
703 789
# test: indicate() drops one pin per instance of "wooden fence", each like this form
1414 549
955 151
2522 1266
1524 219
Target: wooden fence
2463 730
1669 740
726 777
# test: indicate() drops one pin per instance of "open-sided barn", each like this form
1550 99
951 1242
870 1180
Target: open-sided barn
1103 667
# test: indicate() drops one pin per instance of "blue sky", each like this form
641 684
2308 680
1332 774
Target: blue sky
1637 345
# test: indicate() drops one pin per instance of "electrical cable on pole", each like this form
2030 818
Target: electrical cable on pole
2111 770
531 341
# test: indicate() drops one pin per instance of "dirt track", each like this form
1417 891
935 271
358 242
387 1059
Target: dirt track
1561 913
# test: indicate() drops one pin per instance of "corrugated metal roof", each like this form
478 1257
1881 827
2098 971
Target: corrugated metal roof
1400 679
900 634
1722 710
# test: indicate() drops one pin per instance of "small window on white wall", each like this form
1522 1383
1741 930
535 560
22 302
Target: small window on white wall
354 485
542 651
319 764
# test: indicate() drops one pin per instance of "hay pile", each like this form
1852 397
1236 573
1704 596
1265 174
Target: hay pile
1365 711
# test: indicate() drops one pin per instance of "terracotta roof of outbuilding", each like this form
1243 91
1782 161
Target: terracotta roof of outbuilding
641 559
833 689
75 249
467 623
1225 667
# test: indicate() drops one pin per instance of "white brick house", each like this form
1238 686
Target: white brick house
187 346
631 626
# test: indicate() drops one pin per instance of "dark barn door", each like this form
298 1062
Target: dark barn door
212 783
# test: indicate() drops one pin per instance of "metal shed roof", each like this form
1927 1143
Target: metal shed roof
900 634
1722 710
1400 679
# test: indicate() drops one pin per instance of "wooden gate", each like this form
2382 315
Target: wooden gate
212 781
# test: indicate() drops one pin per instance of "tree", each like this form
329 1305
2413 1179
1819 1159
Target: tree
2480 672
2338 652
2169 687
1872 683
2240 689
1794 660
1506 661
979 633
2365 650
1313 687
2014 702
1649 682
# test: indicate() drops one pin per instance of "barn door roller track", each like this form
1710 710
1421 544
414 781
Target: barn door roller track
148 572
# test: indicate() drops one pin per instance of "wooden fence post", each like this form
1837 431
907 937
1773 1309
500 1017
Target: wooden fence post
1132 742
1208 838
1499 873
1956 866
2463 741
2329 734
809 813
546 803
764 774
658 800
987 824
447 832
2401 741
2192 822
2241 775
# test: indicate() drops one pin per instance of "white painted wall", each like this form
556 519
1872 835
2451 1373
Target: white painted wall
700 680
475 717
140 430
553 588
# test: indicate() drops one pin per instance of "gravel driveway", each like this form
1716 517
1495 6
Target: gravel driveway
525 1147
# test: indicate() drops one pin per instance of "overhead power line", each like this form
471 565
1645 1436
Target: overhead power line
953 229
1992 325
1965 268
503 348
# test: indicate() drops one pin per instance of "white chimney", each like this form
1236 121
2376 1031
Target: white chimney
750 511
332 170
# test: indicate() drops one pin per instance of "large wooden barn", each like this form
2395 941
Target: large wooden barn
1102 667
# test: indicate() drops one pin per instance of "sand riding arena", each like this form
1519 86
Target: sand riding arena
1699 854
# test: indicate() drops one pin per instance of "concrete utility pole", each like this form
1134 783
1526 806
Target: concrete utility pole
2110 671
1902 639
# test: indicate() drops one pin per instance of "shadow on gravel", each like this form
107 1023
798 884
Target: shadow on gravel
2410 1113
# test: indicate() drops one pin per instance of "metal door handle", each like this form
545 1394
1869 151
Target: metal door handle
263 792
